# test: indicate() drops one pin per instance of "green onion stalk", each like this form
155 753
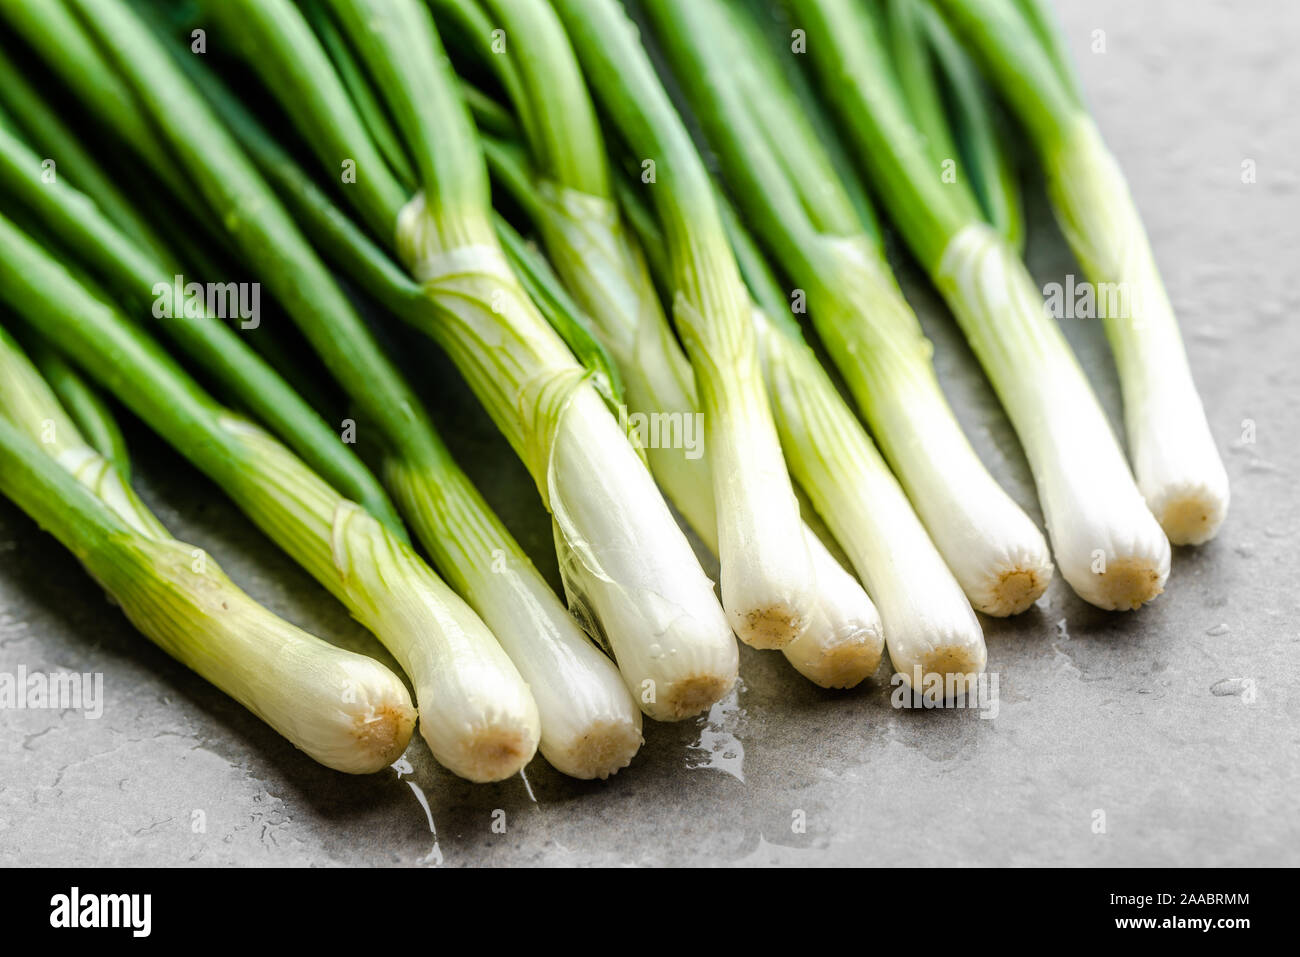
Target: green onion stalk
628 568
768 580
476 711
824 236
590 724
1107 544
345 710
562 184
977 131
31 119
929 626
1178 467
144 282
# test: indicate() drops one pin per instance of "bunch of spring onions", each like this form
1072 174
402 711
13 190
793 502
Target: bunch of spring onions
565 187
1177 465
590 726
826 239
628 568
420 147
568 192
1106 542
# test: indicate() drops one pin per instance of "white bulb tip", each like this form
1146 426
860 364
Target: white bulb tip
689 696
846 664
955 667
1014 589
381 733
1127 583
606 747
487 754
1190 514
769 627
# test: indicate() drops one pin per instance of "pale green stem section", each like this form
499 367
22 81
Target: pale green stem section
993 548
87 408
1178 467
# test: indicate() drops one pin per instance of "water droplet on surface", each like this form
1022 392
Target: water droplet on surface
656 651
718 748
1229 687
1219 629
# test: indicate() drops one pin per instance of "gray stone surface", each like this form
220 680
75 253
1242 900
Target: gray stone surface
1179 722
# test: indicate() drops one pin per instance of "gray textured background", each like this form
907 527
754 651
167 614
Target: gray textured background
1143 716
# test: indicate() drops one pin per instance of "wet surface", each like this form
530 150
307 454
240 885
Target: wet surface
1169 736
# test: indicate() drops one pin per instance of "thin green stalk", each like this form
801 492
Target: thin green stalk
903 22
981 132
377 122
41 126
146 285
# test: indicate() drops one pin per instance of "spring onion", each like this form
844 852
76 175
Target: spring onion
1178 468
343 709
1106 543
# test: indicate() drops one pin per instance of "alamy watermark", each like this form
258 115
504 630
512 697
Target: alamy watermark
665 430
179 299
1102 300
57 691
938 690
133 912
